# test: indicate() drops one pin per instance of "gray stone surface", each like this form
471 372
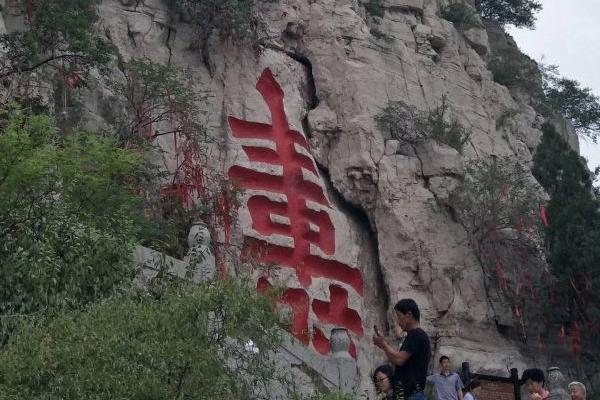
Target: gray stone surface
403 246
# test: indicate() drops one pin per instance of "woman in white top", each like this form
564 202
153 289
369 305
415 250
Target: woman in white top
474 390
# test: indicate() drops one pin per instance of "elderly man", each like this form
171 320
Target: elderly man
577 391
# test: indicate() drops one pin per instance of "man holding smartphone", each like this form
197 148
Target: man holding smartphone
412 359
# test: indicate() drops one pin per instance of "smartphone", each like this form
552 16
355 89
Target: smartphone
376 330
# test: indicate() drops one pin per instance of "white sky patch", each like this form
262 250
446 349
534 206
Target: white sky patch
566 35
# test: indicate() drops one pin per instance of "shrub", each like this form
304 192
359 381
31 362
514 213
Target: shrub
375 8
520 13
495 195
405 123
67 218
59 34
463 16
497 204
550 93
174 341
400 121
450 133
513 69
160 101
232 18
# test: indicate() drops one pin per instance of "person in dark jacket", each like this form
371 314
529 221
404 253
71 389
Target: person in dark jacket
412 360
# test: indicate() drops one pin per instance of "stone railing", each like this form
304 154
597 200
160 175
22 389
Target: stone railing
338 371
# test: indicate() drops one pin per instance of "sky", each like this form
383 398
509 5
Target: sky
566 35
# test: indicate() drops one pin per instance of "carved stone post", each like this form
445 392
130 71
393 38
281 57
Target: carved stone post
556 384
346 365
201 262
340 343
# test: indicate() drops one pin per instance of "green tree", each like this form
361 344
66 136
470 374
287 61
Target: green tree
60 34
573 234
520 13
578 104
463 16
232 18
175 341
497 203
160 101
515 70
67 218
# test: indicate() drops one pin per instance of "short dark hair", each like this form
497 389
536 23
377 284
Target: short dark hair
385 369
474 385
535 374
406 305
442 358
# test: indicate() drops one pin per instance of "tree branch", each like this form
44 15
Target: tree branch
39 64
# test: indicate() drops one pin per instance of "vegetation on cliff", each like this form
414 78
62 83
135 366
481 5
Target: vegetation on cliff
73 321
60 34
171 341
67 219
462 15
572 235
509 12
406 124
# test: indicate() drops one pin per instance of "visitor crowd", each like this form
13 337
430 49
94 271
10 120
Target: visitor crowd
405 376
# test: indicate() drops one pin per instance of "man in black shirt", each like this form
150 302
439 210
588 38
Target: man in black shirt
412 359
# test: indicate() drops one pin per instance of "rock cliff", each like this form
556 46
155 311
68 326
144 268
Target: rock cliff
346 211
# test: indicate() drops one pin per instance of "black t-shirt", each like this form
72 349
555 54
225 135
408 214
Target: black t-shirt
412 375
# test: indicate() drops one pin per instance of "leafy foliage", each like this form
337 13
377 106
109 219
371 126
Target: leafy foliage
333 395
520 13
463 16
450 133
550 93
514 69
59 34
573 234
497 204
66 217
175 341
160 101
232 18
405 123
576 103
375 8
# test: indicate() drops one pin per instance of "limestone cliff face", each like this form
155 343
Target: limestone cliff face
363 199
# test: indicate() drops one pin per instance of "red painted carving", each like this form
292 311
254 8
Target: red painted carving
295 217
337 312
298 300
320 342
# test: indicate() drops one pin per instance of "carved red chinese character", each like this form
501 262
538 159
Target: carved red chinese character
303 216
